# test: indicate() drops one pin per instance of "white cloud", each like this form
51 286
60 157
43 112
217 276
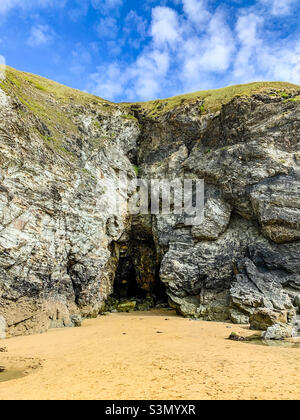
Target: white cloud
108 82
247 34
203 48
196 11
280 7
259 58
210 53
281 62
149 74
145 76
40 35
177 57
107 6
219 45
135 29
7 5
165 26
79 8
108 27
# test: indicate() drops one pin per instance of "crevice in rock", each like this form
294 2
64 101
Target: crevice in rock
125 284
137 285
77 286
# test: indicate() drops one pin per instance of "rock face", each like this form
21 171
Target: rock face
252 260
262 319
279 332
59 161
63 244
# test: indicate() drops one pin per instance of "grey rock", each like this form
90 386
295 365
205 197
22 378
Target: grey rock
279 331
296 324
216 219
297 302
63 246
238 317
57 220
76 320
264 318
276 203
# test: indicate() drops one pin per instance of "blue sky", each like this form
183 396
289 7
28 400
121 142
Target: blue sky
139 50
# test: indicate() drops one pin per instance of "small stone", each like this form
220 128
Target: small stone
76 320
236 337
127 306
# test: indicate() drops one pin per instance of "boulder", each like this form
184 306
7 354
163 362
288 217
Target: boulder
264 318
238 317
76 320
279 332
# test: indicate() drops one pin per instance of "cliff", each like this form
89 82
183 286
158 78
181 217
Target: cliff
64 248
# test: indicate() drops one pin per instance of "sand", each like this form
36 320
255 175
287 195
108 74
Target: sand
153 355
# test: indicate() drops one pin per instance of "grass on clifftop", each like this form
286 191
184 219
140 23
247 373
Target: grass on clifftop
40 95
21 81
214 99
54 104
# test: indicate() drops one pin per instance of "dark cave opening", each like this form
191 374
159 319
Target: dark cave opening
125 285
137 276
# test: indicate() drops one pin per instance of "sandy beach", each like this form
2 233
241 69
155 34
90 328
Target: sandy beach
149 355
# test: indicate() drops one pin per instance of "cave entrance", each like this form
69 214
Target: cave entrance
125 285
137 275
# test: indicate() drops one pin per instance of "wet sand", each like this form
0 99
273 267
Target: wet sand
153 355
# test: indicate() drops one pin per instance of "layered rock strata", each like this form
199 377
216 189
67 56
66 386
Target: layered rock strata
63 244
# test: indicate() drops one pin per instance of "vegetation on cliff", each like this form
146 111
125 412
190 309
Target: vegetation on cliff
36 92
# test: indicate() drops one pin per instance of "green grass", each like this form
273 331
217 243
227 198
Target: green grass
202 109
295 99
128 117
63 93
97 124
214 99
136 170
285 95
53 104
30 86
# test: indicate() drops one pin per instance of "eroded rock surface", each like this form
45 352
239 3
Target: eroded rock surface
58 226
62 242
280 331
245 255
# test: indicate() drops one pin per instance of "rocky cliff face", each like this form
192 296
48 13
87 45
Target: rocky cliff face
62 244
